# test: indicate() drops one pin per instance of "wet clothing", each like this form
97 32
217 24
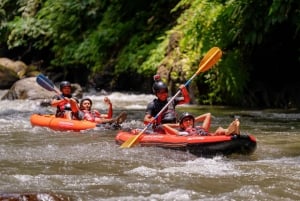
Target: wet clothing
198 130
169 115
62 107
65 106
90 115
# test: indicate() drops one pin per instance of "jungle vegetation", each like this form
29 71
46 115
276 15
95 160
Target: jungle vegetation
120 45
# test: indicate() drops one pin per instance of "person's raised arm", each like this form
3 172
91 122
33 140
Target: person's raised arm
185 94
206 119
110 110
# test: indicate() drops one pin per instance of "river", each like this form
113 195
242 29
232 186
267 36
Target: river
89 165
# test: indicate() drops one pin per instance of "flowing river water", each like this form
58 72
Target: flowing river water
89 165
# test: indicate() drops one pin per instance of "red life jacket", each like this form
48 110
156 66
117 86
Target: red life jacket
91 115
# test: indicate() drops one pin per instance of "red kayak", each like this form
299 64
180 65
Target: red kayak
195 144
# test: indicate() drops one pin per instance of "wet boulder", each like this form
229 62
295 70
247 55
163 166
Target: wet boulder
7 77
27 88
11 71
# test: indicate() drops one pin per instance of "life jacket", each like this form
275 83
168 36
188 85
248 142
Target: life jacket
198 130
91 115
167 116
63 106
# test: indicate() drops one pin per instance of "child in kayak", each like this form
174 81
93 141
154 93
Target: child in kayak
187 126
88 114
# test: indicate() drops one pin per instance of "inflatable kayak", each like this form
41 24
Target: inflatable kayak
63 124
60 124
195 144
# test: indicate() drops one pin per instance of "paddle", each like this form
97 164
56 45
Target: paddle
212 56
44 82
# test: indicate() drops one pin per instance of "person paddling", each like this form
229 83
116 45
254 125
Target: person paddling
187 126
66 106
160 90
85 107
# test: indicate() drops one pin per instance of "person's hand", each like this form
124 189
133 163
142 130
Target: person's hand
62 102
65 100
182 86
153 120
107 100
149 119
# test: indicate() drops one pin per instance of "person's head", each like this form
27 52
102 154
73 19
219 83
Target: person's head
186 120
65 87
159 88
86 104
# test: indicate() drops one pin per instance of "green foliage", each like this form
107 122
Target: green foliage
132 58
27 32
156 55
140 36
16 22
227 81
143 50
198 30
68 30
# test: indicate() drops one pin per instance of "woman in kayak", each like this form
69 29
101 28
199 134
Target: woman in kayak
187 126
160 90
88 114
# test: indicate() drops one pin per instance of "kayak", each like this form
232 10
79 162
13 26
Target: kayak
60 124
198 145
63 124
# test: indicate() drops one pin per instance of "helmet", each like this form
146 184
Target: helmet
84 99
64 84
158 84
185 115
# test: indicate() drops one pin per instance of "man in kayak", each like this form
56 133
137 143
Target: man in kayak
187 126
160 90
65 104
88 114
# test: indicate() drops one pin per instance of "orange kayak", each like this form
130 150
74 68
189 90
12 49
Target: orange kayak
60 124
195 144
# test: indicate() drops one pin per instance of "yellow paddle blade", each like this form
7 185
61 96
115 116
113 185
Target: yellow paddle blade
211 58
131 141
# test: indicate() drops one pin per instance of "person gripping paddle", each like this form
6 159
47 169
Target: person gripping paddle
211 58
